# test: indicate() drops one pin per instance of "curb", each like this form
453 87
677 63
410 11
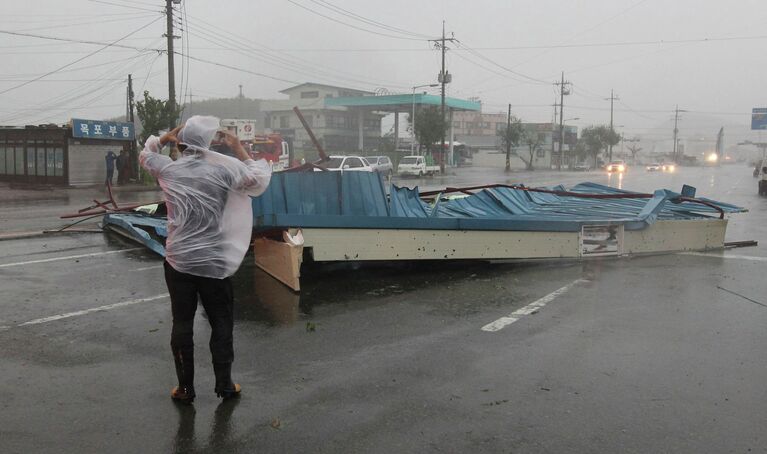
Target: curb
20 235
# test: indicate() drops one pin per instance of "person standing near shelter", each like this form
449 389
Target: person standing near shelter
210 222
122 167
110 159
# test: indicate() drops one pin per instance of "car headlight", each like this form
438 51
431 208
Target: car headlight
621 168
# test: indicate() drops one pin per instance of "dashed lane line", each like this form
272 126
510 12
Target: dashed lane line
108 307
153 267
531 308
56 259
752 258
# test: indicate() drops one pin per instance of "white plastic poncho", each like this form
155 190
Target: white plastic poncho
210 217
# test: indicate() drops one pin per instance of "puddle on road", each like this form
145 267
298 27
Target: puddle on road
449 288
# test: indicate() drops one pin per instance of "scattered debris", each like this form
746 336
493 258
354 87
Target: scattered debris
310 327
276 423
742 296
497 402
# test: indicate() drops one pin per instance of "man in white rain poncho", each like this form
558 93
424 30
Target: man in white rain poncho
209 226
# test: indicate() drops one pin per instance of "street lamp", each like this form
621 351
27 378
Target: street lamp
412 119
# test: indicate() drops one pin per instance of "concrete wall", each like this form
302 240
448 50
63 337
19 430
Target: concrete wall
86 163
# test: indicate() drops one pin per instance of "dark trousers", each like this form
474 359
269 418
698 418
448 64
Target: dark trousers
110 176
217 299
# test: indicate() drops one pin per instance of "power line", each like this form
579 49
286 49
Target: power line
78 24
78 93
493 62
529 47
599 24
366 20
124 6
352 25
246 47
78 60
80 41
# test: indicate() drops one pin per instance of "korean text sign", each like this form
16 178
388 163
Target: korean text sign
96 129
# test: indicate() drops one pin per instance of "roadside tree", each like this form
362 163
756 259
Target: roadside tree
533 140
597 138
155 115
634 149
429 127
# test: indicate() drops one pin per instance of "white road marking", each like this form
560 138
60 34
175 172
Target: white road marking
722 256
55 259
531 308
108 307
153 267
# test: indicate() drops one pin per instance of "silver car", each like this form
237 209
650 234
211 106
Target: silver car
381 164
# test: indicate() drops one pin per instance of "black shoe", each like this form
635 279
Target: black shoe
233 390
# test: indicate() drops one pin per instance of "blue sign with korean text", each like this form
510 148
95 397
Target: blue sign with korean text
97 129
759 118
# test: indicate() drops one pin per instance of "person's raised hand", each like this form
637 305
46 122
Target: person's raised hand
172 135
230 139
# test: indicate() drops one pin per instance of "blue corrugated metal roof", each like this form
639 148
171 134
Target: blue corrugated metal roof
358 200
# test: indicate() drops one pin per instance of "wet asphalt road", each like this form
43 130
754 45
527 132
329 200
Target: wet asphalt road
644 355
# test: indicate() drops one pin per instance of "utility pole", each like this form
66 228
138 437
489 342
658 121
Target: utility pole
131 120
239 103
171 68
508 141
676 132
562 94
610 146
443 78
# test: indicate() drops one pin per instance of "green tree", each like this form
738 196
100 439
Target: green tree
597 138
429 127
533 141
634 149
510 137
155 115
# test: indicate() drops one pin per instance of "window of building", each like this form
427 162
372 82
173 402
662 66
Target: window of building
372 123
284 121
19 153
58 155
2 159
541 153
310 94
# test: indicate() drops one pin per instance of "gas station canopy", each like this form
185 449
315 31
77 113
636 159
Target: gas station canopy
400 103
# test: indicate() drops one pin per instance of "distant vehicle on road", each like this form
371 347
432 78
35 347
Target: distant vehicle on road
668 167
581 167
338 163
417 166
763 177
654 167
616 166
381 164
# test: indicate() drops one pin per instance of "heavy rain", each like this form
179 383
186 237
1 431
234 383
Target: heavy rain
366 227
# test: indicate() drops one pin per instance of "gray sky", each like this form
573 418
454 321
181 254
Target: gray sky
649 51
